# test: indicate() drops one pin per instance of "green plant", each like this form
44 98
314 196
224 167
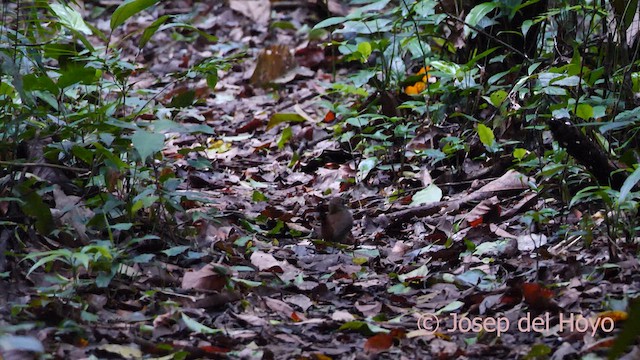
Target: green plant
69 101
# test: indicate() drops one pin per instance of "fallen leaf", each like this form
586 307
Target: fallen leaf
378 343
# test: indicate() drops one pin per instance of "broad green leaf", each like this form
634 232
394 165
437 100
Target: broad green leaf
538 351
554 91
491 248
70 18
147 143
286 135
197 327
284 117
364 48
176 250
151 30
584 111
526 25
329 22
428 195
80 259
127 9
50 256
455 305
212 80
183 99
486 135
497 97
258 196
143 258
420 272
628 185
477 13
519 153
365 167
121 226
78 75
82 153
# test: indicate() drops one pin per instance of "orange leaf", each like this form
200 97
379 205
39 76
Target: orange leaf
319 356
295 317
378 343
535 293
411 90
398 333
615 315
602 344
329 117
213 349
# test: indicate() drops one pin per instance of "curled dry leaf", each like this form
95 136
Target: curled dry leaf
378 343
204 279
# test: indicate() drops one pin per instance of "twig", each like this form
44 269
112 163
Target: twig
63 167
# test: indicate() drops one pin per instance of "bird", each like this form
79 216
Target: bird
336 223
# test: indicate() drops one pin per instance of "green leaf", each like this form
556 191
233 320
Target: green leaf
258 196
151 30
127 9
329 22
287 133
364 48
176 250
77 75
365 167
455 305
104 279
49 256
143 258
428 195
80 259
83 154
183 99
526 25
284 117
497 97
486 135
584 111
212 80
519 153
628 185
420 273
538 351
70 18
197 327
285 25
477 13
147 143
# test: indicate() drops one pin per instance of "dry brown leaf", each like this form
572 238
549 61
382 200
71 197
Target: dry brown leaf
256 10
378 343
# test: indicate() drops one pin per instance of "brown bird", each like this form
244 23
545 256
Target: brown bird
336 223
